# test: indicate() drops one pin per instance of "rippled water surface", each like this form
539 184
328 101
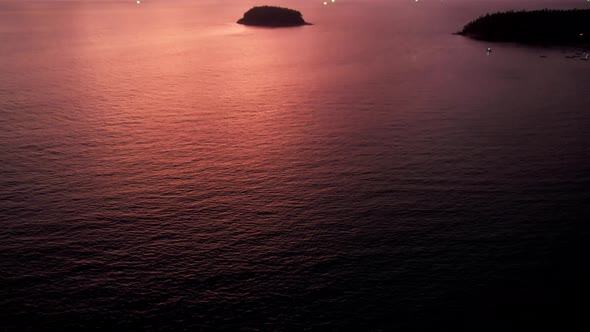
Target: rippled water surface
165 168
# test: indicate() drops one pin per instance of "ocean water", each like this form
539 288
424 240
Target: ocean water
163 168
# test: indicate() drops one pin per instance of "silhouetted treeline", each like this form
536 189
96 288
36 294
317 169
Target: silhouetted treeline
272 16
540 26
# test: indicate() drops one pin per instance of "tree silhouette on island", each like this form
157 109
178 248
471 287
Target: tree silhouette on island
547 27
270 16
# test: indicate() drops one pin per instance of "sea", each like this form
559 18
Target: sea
163 168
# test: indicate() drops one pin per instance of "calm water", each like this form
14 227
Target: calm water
165 168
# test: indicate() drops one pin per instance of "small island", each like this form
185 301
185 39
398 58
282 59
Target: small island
270 16
545 27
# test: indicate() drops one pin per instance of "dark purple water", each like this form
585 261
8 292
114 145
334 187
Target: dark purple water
166 169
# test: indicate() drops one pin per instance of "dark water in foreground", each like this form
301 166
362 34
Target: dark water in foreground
165 168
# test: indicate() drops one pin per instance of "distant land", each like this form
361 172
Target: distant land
547 27
270 16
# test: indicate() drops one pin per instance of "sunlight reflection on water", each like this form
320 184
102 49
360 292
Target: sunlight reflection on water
168 169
